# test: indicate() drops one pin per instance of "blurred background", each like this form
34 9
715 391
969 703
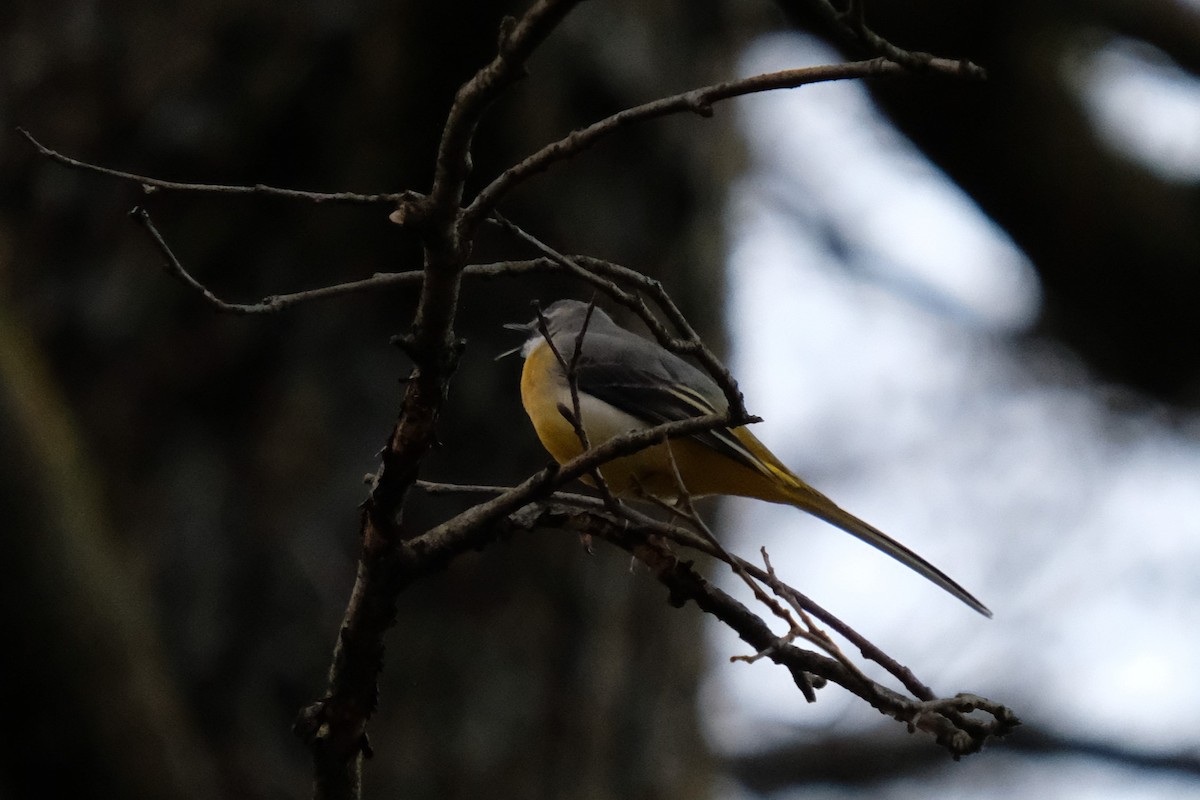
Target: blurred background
967 311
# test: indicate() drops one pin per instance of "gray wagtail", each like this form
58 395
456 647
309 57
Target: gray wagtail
626 382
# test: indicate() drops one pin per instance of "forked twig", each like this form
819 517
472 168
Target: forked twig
808 631
275 303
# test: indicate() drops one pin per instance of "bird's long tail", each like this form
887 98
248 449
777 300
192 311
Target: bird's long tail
807 499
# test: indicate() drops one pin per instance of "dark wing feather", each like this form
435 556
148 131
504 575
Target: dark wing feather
653 385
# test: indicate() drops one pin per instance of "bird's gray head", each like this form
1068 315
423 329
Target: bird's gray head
568 316
562 317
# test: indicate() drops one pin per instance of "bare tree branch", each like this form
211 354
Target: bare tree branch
336 726
953 722
151 185
697 101
381 280
518 39
851 24
690 539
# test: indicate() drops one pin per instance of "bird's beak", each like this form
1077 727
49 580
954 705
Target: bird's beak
523 327
507 353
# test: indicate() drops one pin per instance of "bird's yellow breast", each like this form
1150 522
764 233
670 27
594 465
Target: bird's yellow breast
543 387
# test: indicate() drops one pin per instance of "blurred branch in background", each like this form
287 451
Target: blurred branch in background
1120 266
874 758
82 622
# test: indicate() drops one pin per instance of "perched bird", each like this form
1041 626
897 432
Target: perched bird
627 382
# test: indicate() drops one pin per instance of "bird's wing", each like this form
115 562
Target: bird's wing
656 386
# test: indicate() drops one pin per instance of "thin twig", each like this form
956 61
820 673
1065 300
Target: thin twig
554 476
574 415
699 101
274 304
150 185
684 507
808 631
270 304
855 21
811 632
518 39
851 24
438 487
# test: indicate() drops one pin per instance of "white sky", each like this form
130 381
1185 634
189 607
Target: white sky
888 380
